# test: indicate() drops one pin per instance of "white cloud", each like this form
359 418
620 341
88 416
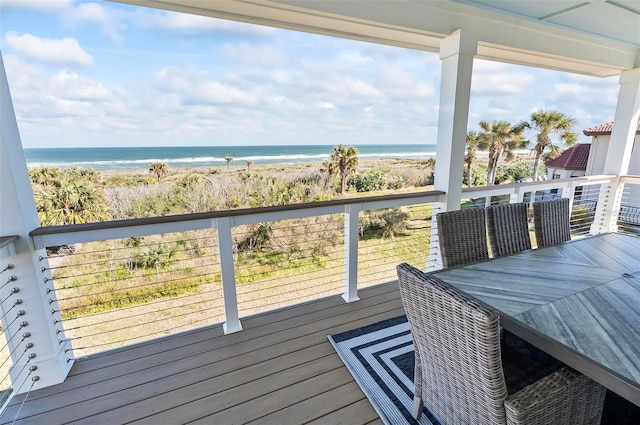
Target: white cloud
65 51
361 88
73 15
403 85
500 79
503 83
279 76
37 5
70 107
95 14
200 87
196 24
54 109
253 55
215 92
71 86
23 77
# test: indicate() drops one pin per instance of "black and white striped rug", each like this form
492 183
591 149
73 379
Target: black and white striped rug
380 357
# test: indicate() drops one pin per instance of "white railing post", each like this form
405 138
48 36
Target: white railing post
608 207
519 195
351 236
225 247
568 191
434 259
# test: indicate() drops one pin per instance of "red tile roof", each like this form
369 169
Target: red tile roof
603 129
574 158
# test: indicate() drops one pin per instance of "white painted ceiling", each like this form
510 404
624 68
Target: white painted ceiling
617 20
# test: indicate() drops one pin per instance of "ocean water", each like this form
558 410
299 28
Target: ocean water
208 156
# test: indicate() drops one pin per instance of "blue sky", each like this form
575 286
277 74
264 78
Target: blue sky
86 73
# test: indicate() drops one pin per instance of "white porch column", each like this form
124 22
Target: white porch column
32 327
625 125
456 53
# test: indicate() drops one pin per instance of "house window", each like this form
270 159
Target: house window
556 176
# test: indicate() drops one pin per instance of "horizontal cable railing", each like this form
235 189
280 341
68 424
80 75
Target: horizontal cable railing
285 262
125 290
629 214
111 292
388 237
584 208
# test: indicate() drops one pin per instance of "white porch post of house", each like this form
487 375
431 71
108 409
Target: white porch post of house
625 125
456 54
40 353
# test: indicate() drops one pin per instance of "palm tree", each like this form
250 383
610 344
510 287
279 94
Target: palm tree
159 256
44 175
229 161
159 169
545 123
344 161
473 140
66 201
500 138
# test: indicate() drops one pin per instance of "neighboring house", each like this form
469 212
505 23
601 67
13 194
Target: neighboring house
600 136
571 163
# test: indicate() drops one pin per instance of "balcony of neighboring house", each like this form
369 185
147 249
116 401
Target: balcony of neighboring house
175 319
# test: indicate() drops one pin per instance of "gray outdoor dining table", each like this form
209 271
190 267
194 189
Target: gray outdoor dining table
578 301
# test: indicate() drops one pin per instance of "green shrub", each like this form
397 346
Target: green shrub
368 181
396 182
129 180
479 175
385 223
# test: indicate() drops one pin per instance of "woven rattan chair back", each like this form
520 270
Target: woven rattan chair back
462 237
508 227
551 221
457 343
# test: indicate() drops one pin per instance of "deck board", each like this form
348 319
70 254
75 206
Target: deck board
279 369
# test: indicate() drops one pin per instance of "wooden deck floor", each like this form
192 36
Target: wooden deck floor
280 369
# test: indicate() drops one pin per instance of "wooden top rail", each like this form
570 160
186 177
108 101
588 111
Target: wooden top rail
7 240
66 234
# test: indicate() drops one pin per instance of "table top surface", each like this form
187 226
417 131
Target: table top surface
584 294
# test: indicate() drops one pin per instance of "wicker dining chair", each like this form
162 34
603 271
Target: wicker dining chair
551 221
466 376
508 227
462 236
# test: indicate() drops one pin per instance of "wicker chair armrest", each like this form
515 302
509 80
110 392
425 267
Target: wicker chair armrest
563 397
